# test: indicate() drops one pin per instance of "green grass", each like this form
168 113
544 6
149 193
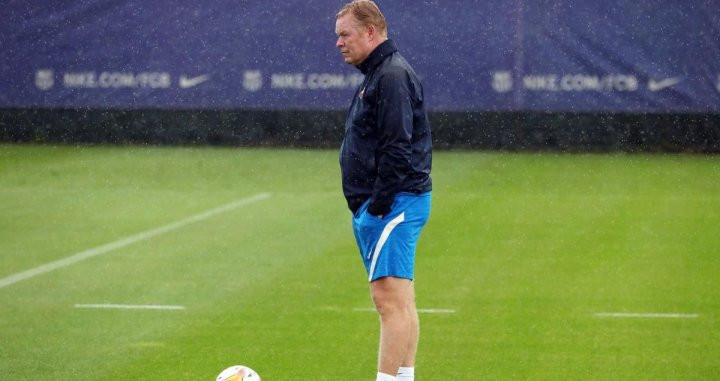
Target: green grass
527 248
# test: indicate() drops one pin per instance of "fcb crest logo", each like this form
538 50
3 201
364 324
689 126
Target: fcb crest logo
44 79
502 81
252 80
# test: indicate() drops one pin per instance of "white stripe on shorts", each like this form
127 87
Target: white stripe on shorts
381 242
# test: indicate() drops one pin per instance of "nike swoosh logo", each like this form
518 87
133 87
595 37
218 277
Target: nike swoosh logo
654 85
186 82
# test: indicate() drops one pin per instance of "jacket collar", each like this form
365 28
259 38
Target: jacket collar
377 56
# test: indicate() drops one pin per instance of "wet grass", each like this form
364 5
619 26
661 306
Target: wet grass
525 248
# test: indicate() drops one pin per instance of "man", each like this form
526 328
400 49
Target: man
385 161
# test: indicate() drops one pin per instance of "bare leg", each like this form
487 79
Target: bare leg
409 360
392 300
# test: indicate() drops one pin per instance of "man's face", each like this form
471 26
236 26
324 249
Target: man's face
353 41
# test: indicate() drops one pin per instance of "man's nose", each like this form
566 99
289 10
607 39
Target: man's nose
339 42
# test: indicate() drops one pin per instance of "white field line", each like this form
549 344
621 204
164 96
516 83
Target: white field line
419 310
130 306
646 315
94 252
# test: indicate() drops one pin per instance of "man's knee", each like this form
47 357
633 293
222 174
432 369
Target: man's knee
391 295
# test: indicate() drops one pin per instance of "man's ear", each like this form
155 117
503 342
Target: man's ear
372 32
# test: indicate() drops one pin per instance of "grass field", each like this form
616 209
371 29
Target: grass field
524 249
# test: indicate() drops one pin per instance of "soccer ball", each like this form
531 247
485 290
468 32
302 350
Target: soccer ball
238 373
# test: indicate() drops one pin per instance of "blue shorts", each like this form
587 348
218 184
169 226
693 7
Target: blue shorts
387 244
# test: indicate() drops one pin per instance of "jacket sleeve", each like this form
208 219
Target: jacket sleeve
395 128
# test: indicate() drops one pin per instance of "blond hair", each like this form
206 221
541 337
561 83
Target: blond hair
366 13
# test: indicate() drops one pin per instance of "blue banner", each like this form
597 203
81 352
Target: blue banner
490 55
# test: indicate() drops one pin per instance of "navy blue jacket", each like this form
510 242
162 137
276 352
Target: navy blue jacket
387 147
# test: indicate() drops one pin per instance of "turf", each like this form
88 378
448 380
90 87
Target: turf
525 248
